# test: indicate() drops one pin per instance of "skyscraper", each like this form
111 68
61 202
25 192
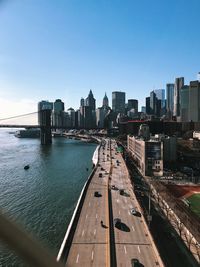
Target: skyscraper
179 83
133 104
184 103
58 113
153 103
170 99
148 109
194 101
90 101
105 102
43 105
118 102
160 94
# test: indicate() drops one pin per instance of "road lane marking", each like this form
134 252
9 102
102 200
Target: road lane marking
117 200
83 232
89 204
133 228
119 212
125 250
92 257
94 231
86 216
138 248
96 216
77 258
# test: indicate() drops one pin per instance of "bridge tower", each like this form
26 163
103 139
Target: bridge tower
45 126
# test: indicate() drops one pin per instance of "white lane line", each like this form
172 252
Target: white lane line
92 257
83 232
77 258
117 200
96 216
138 248
133 228
86 216
125 250
94 231
119 212
89 204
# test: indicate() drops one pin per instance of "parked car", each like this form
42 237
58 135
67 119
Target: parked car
100 174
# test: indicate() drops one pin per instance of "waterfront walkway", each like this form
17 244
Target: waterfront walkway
96 241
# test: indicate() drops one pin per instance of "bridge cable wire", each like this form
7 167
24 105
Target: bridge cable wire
19 116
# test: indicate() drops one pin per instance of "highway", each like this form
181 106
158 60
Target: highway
135 240
91 242
90 246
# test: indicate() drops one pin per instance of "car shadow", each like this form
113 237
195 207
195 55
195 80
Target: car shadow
123 227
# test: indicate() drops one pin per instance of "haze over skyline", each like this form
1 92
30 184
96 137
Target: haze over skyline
62 49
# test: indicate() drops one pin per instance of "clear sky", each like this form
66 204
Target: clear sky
60 49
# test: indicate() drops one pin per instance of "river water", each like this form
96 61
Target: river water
42 198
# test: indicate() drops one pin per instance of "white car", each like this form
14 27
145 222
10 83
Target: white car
133 211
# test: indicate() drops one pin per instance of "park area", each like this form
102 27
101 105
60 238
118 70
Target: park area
189 193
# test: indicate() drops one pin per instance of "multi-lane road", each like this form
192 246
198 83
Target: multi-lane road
92 242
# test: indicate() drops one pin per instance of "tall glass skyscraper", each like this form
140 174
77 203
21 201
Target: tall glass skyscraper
170 98
118 102
179 83
160 94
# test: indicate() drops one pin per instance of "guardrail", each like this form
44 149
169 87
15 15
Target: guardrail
66 244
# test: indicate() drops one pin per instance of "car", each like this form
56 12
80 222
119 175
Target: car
100 174
133 211
97 194
121 191
117 223
135 262
102 169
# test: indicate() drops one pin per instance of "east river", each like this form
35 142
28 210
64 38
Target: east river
42 198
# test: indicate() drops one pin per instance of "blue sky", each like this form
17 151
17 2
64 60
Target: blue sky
60 49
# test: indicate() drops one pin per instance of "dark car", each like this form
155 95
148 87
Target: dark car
121 191
117 223
96 193
135 263
100 174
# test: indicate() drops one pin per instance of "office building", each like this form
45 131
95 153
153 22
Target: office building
170 99
160 94
118 102
184 103
179 83
148 108
90 101
71 114
133 104
194 101
43 105
148 155
143 109
105 102
58 113
153 103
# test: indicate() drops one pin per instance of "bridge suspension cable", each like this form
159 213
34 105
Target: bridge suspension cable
18 116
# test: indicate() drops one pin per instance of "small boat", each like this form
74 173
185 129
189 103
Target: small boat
26 167
86 169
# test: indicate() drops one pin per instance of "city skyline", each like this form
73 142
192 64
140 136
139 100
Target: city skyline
67 49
